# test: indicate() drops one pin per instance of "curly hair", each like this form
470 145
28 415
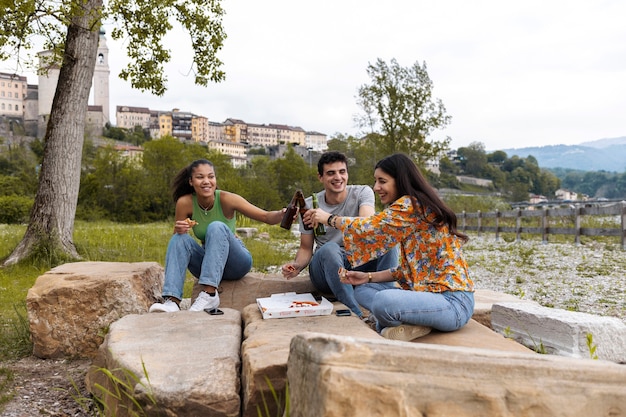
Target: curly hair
329 158
180 184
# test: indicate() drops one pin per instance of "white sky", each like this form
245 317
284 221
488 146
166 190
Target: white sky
511 74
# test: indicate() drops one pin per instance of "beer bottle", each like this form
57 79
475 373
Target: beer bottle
303 209
320 229
292 209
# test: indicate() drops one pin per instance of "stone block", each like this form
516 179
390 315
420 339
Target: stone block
243 292
188 362
561 332
335 376
247 231
71 306
265 350
474 335
485 299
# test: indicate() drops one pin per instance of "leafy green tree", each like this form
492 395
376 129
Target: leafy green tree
259 184
473 159
291 173
518 191
399 108
114 132
162 160
338 142
497 157
71 29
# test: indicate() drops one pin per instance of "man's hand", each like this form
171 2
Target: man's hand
290 270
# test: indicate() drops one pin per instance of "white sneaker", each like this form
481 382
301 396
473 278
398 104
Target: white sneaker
205 301
166 307
405 332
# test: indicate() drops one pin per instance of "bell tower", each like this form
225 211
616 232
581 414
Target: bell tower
101 77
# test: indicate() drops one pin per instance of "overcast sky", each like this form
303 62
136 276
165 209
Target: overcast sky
511 74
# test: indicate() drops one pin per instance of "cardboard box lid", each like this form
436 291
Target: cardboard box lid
291 304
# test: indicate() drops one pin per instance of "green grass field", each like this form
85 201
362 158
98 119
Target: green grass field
111 242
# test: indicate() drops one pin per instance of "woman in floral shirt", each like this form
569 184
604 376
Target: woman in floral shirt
435 289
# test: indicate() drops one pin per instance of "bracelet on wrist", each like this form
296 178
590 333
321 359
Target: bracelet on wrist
330 220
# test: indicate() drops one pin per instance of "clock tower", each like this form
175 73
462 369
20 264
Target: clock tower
101 77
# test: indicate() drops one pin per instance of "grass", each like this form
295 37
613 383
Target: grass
110 242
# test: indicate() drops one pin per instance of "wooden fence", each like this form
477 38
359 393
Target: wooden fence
576 221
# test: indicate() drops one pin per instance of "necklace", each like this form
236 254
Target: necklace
205 209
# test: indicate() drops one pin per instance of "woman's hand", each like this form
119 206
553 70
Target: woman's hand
182 226
355 277
316 216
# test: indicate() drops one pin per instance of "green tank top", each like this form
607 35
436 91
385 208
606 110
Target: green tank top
204 218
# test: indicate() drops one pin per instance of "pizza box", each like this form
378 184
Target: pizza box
290 304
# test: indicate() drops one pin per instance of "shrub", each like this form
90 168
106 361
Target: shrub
15 209
11 186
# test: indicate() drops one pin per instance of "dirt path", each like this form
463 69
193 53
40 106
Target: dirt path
44 388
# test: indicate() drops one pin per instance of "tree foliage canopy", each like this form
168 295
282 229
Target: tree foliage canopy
141 24
400 112
70 30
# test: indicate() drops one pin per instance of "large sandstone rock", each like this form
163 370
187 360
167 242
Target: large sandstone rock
71 306
188 362
474 335
241 293
265 351
561 332
484 301
334 376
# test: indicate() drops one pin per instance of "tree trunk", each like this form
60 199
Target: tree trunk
51 226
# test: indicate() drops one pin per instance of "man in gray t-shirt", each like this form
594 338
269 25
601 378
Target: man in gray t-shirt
325 254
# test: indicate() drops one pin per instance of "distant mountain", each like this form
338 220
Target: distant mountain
605 143
599 155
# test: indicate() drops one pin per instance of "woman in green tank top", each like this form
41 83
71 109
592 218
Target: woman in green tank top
220 254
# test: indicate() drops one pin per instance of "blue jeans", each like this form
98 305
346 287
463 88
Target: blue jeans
324 272
446 311
223 256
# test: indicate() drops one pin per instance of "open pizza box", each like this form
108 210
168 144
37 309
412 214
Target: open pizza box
290 304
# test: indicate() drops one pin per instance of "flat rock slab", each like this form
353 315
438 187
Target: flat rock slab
241 293
474 335
265 350
71 306
336 376
192 361
484 301
561 332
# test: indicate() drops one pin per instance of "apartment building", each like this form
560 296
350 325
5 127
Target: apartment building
127 117
316 141
199 129
289 135
165 124
13 91
232 149
181 124
262 135
235 130
215 131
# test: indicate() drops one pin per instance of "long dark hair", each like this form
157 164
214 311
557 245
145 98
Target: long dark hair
180 184
411 182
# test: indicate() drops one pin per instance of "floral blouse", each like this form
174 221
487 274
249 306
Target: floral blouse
431 258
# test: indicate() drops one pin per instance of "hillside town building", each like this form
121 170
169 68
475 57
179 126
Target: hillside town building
30 105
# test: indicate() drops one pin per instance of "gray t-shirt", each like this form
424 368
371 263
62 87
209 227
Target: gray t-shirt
358 195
